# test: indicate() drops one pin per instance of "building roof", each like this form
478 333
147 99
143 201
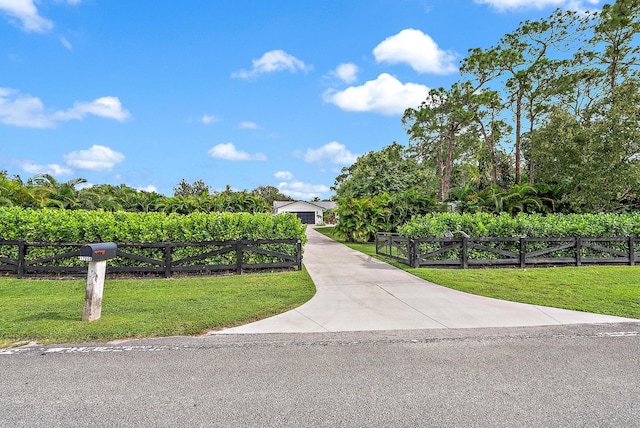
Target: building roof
324 205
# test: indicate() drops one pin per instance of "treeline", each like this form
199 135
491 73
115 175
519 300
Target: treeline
44 191
361 218
546 120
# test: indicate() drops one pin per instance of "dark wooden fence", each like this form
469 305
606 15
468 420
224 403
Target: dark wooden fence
165 259
517 252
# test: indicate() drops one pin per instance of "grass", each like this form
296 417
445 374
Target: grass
50 311
610 290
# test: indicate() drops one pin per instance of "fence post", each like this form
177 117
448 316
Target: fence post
299 250
239 256
632 251
22 254
465 252
578 241
523 252
390 242
168 246
414 259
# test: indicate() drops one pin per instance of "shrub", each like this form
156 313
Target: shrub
77 226
532 225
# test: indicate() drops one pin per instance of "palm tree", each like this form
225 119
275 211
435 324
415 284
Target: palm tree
66 192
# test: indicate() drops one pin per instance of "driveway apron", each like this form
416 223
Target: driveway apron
356 292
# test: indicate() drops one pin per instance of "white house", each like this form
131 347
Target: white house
308 212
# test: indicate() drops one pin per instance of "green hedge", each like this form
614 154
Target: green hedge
531 225
99 226
48 225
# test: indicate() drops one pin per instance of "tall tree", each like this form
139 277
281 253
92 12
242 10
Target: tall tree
614 45
270 194
184 188
521 66
390 170
594 157
440 130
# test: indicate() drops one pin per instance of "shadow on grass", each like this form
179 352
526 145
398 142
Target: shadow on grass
52 316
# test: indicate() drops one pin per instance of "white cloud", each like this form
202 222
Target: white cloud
22 110
505 5
334 152
66 43
249 125
96 158
229 152
300 190
28 111
385 95
272 61
26 14
283 175
86 185
348 72
52 169
417 49
207 119
150 188
108 107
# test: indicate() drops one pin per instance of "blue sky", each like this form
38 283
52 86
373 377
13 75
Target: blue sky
240 92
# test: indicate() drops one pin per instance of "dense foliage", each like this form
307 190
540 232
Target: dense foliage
361 218
531 225
44 191
390 170
80 226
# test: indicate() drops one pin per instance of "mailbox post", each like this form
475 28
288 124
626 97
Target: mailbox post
97 256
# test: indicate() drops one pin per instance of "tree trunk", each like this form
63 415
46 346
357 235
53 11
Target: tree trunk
449 164
441 172
518 132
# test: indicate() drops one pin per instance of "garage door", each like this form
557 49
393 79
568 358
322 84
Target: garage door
306 217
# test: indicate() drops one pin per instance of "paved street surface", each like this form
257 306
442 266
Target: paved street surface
511 377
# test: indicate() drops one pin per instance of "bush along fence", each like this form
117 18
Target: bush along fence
465 252
22 258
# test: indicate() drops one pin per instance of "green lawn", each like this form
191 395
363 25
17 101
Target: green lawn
50 311
611 290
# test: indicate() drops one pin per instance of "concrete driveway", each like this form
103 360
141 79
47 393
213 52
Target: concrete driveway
358 293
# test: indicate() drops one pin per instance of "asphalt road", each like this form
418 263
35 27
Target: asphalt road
585 375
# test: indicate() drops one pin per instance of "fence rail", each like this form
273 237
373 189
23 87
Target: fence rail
22 258
520 252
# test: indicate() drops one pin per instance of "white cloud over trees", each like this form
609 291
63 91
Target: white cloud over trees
283 175
334 152
228 151
416 49
51 169
384 95
508 5
96 158
301 190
